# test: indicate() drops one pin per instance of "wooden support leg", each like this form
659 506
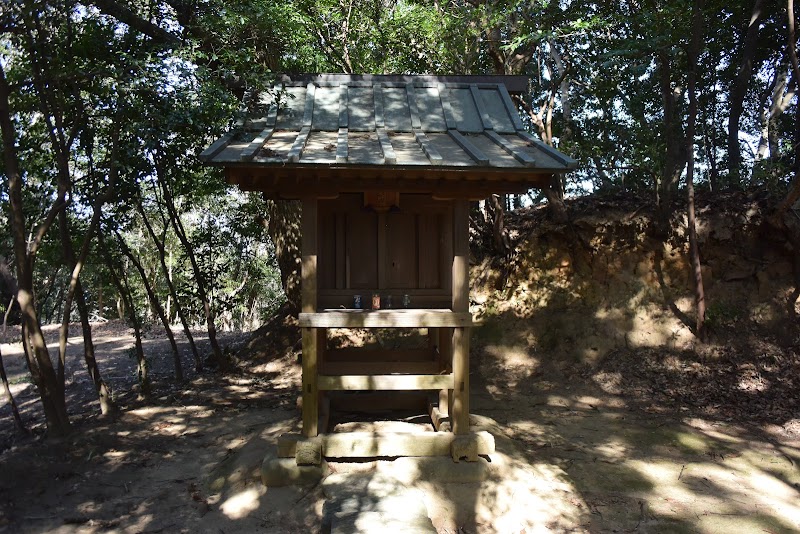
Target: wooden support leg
445 365
460 411
311 337
310 391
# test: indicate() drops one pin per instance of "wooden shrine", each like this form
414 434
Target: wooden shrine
385 167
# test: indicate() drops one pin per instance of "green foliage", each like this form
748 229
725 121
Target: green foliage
118 102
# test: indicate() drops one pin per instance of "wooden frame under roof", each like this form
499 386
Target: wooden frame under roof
385 167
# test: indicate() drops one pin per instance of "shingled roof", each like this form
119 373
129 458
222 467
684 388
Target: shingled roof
327 134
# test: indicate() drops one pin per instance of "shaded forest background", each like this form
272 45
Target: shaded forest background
105 105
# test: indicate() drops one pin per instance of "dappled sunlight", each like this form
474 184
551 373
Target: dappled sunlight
734 494
243 503
543 489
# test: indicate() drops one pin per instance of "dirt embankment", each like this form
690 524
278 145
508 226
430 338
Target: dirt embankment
608 298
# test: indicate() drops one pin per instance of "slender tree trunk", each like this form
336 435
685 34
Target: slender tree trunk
10 398
156 306
794 191
75 292
177 225
739 91
694 248
159 243
500 239
7 313
711 155
121 283
675 150
38 357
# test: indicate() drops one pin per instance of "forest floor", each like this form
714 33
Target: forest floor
577 450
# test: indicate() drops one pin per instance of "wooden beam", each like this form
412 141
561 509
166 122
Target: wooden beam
310 383
473 151
325 415
216 147
389 157
459 398
299 144
438 418
511 108
383 383
445 365
341 146
255 145
309 256
449 118
309 304
372 368
460 278
482 113
394 318
272 115
550 151
505 144
427 147
460 410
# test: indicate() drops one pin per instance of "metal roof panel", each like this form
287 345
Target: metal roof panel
396 114
361 108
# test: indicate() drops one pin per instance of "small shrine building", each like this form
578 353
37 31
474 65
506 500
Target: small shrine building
385 168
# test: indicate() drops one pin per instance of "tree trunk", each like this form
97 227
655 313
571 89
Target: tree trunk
676 156
10 398
283 227
156 306
500 239
127 302
694 249
38 357
794 191
107 406
222 362
558 210
739 91
159 243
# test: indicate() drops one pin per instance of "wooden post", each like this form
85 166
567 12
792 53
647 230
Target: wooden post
445 365
459 414
309 305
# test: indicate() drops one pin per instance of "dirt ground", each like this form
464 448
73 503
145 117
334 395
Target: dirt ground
577 451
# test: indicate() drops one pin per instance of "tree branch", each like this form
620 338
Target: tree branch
125 15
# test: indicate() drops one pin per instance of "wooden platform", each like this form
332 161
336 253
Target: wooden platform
413 318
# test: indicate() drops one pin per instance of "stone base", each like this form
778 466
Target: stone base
279 472
385 445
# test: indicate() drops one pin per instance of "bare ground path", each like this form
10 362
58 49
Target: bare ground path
572 457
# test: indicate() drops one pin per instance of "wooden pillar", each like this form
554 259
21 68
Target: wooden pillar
445 365
309 305
459 415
